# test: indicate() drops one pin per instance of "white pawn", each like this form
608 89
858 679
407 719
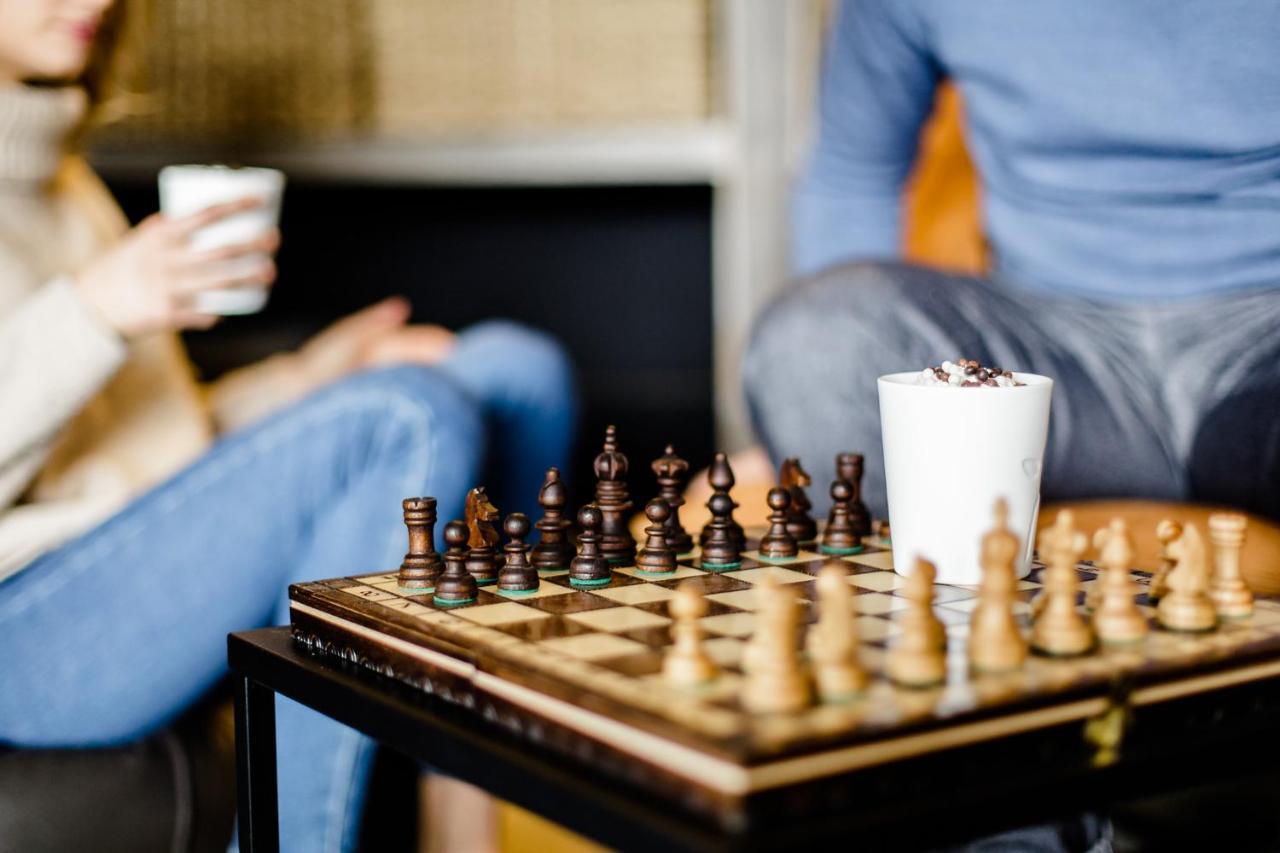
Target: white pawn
687 663
1059 629
775 679
1117 621
995 642
919 658
833 642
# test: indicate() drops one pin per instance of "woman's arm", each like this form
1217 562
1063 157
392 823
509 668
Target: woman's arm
878 84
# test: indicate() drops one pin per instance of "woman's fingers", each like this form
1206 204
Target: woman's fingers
218 276
267 244
187 225
190 319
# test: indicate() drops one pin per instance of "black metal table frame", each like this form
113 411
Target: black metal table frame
1215 737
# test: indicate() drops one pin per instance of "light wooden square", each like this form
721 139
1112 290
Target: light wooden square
780 574
877 603
872 628
619 619
730 624
505 613
743 599
680 573
726 651
878 560
544 590
879 581
638 593
594 646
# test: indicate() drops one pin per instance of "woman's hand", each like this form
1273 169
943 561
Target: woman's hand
372 337
146 282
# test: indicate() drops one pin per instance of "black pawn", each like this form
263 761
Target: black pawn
721 550
554 550
722 480
656 556
849 467
799 521
779 542
614 501
456 585
839 537
518 574
422 564
590 567
672 472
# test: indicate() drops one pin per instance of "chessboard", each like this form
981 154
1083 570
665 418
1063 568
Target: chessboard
578 670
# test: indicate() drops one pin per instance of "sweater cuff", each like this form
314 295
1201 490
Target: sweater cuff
78 326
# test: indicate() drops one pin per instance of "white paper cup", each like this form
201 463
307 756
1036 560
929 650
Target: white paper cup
185 190
948 454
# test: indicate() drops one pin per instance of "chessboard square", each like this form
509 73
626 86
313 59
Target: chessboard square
577 601
743 599
708 583
879 581
500 614
725 651
730 624
943 594
874 629
618 619
544 590
779 574
636 666
680 573
876 559
640 593
876 603
594 646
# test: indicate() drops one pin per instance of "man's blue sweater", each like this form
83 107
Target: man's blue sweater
1128 149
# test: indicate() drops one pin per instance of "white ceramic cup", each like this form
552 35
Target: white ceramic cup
948 454
185 190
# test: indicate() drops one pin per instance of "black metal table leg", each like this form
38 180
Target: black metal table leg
256 800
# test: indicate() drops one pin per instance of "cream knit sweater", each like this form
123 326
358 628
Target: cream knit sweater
87 421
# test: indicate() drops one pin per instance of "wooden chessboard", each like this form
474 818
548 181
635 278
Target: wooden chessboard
579 671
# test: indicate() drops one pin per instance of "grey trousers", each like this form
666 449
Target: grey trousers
1175 400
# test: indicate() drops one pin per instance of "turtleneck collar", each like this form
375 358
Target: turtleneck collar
35 124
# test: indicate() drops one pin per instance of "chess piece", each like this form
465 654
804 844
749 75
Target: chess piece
793 478
590 567
656 557
1117 619
722 480
720 549
778 543
518 575
775 681
839 537
833 642
456 585
671 472
687 663
481 515
918 658
613 501
1167 532
1231 596
849 467
554 550
1186 606
995 642
422 564
1059 629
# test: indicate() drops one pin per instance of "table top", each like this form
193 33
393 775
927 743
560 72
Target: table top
939 798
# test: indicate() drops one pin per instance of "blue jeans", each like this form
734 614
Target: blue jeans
112 635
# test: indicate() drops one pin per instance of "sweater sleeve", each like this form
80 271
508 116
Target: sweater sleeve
878 84
55 354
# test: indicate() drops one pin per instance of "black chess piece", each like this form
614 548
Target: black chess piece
672 472
839 537
793 478
721 550
482 561
722 480
779 542
590 567
613 501
849 467
657 557
554 550
422 564
517 574
456 585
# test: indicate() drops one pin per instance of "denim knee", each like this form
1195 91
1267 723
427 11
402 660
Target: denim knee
515 356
